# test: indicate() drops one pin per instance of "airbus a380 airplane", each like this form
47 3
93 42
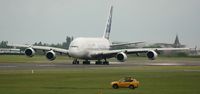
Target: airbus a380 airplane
94 49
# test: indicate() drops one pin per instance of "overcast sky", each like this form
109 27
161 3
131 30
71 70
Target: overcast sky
50 21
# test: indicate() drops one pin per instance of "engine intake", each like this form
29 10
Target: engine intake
121 57
51 55
30 52
152 55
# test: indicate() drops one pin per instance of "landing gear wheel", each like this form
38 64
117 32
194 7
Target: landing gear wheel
86 62
105 63
98 62
75 61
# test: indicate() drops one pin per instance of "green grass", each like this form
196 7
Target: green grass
153 80
25 59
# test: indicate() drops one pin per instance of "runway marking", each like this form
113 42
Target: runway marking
166 64
46 65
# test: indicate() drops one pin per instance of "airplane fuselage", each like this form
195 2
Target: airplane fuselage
82 47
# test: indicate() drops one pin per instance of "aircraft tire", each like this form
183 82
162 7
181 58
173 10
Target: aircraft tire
98 62
106 63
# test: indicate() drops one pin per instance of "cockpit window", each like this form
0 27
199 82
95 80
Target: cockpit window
74 46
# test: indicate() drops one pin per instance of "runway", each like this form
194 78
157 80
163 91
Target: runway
68 65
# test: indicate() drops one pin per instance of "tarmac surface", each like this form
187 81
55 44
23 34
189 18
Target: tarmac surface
92 65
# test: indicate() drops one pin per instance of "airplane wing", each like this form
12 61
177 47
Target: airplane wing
122 44
45 48
112 53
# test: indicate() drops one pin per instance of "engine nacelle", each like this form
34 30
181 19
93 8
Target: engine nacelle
51 55
30 52
121 57
152 55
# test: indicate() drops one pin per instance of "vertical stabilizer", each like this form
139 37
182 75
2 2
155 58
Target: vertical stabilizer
108 25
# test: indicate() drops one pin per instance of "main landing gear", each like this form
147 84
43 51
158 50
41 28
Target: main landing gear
75 61
99 62
87 62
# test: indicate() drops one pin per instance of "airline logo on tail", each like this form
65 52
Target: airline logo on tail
108 25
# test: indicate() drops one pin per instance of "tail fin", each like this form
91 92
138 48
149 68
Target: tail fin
108 25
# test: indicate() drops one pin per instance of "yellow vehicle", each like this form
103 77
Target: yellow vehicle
127 82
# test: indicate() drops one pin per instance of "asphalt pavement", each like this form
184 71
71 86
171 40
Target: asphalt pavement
92 65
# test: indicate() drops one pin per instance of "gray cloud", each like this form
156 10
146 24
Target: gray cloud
28 21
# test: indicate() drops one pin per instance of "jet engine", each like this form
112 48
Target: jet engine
121 57
51 55
30 52
152 55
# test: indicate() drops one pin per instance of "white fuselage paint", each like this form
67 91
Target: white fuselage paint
81 48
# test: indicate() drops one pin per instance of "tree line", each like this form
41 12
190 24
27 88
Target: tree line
3 44
64 45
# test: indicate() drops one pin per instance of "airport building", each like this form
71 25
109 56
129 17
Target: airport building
11 51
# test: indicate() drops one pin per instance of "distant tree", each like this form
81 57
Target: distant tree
35 43
64 45
40 44
68 41
3 44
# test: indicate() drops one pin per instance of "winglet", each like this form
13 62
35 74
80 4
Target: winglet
108 24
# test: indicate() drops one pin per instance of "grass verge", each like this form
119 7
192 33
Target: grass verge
153 79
